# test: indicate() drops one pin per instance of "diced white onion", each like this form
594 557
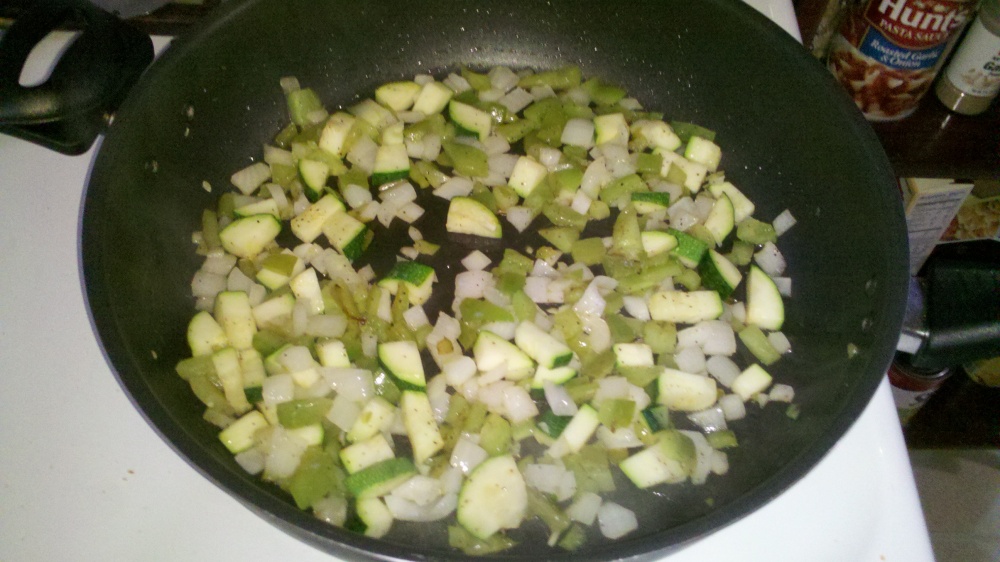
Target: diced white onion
770 260
437 394
519 405
355 384
207 285
251 460
782 393
419 489
516 100
615 520
559 400
783 222
356 196
472 284
250 178
457 83
410 212
456 186
779 341
503 78
467 455
277 389
621 438
733 407
710 419
581 202
476 261
636 307
720 462
703 457
784 285
551 479
584 508
459 370
690 360
284 453
220 264
415 317
326 325
578 132
722 369
520 217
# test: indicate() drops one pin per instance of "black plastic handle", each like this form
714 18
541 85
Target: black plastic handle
69 110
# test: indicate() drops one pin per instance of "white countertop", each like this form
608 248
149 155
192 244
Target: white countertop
86 479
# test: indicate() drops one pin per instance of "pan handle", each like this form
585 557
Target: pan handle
70 109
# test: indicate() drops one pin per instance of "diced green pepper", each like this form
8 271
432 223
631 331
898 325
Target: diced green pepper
303 412
466 159
559 79
316 477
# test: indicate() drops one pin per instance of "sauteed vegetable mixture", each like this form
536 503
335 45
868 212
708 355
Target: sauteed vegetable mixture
595 335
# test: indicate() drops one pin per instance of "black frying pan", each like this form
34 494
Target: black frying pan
791 140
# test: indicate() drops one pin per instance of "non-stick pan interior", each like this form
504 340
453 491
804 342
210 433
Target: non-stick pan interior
791 140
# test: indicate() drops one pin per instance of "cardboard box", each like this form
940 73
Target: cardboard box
979 216
931 205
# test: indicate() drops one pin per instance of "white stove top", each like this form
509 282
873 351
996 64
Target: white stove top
85 478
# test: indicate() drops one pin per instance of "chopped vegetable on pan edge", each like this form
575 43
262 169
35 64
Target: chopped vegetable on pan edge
616 343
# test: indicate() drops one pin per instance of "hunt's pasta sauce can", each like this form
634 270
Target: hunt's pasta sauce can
887 52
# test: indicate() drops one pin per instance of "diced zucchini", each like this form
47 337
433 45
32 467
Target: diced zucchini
611 128
363 454
580 428
542 346
274 311
668 461
704 152
742 206
305 286
391 163
417 277
469 216
401 360
262 207
558 375
685 307
633 355
433 98
239 435
347 234
398 96
336 133
720 220
493 498
646 202
373 114
314 175
686 392
656 242
376 416
527 175
476 121
234 314
719 274
418 419
248 236
227 368
376 516
490 351
308 225
277 269
332 353
765 308
754 379
380 478
205 335
689 250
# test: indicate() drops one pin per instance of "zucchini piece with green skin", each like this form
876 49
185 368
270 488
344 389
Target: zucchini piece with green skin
239 435
274 311
475 121
680 170
743 207
335 135
558 375
765 309
417 277
656 242
611 128
469 216
314 175
277 269
646 202
757 343
685 307
490 351
433 98
401 360
703 151
263 207
542 346
347 234
633 355
205 335
398 96
685 392
305 286
248 236
493 498
376 415
421 428
380 478
234 313
753 380
668 461
527 175
720 219
719 274
391 163
360 455
689 250
579 429
309 224
375 515
227 368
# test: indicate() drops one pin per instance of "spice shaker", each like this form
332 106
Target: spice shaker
887 53
972 78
